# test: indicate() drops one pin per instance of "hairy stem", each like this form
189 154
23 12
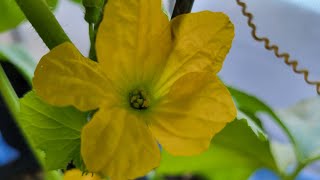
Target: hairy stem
43 21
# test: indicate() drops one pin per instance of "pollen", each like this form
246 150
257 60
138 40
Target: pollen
139 99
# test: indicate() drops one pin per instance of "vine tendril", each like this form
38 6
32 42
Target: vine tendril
275 48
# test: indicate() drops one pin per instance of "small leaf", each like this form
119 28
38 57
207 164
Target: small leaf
11 15
303 121
56 131
236 153
19 57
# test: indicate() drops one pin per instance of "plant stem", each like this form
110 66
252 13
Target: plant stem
9 95
300 167
182 7
92 35
93 30
43 21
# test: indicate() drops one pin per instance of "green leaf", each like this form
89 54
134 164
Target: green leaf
18 56
56 131
251 105
11 15
236 153
254 127
53 175
303 122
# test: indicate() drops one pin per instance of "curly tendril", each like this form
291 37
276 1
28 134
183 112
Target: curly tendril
272 47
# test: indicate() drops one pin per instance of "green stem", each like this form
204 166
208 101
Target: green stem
93 30
43 21
92 35
9 95
300 167
296 172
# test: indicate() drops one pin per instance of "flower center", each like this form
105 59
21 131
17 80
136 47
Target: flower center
139 99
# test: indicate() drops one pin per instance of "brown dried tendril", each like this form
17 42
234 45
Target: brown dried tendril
272 47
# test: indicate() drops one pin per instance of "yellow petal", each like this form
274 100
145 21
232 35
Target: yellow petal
197 107
201 43
118 144
64 77
76 174
133 40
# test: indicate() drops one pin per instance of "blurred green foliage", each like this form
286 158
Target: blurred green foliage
20 58
303 123
11 15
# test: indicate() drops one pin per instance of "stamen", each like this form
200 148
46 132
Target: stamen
139 99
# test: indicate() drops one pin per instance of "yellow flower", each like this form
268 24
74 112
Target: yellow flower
76 174
155 81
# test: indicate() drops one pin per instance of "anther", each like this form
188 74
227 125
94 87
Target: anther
139 99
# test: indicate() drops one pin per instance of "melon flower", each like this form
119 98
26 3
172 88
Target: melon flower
155 82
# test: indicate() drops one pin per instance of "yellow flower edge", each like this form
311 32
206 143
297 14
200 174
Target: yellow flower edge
76 174
155 82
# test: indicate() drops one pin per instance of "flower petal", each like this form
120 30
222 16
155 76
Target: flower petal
197 107
64 77
201 43
76 174
134 37
116 143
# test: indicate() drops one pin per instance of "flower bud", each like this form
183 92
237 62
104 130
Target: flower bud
93 3
93 10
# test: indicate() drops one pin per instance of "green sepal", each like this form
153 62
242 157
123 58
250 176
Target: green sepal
11 16
93 3
93 10
92 15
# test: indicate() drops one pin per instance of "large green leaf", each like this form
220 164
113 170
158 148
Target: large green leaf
303 122
236 153
56 131
19 57
11 15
